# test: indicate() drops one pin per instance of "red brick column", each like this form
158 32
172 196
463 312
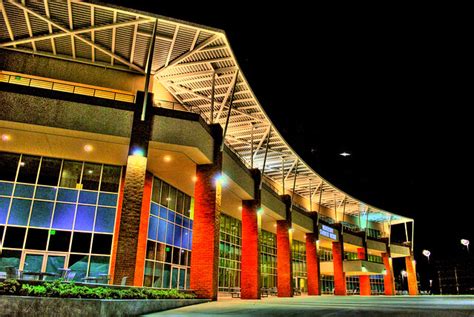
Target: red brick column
339 275
250 273
388 282
207 212
284 278
364 282
411 275
312 264
143 231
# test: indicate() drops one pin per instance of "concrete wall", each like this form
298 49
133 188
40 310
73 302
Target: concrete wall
352 239
70 71
18 107
273 202
376 245
178 131
302 220
237 172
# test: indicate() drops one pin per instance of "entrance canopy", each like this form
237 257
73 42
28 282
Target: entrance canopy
186 59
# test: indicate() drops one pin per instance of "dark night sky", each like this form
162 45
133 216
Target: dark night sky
388 84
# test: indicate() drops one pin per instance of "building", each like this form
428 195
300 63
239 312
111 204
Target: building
132 146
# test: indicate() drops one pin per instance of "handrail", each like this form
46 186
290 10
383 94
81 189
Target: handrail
66 86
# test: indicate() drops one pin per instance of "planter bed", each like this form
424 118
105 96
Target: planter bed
12 305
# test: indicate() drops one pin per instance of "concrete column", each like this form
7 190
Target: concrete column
411 276
113 257
132 216
207 211
364 283
250 273
389 285
312 264
339 275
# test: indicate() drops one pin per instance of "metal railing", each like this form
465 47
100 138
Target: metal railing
65 86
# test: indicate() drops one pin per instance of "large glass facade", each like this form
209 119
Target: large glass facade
325 255
327 284
230 252
377 284
168 256
298 262
268 260
57 213
352 285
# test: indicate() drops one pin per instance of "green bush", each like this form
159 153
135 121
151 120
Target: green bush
70 290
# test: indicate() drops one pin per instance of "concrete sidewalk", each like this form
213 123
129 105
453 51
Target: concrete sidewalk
431 306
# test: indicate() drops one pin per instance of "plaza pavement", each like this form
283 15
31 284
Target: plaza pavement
431 306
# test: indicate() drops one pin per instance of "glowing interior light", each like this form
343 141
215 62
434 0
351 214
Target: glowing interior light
88 148
168 198
22 164
138 152
345 154
6 137
90 171
167 158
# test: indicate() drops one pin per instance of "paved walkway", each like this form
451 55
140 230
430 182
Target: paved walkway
299 306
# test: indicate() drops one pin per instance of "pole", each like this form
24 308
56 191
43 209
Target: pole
265 158
319 203
440 285
456 277
310 197
251 148
230 110
294 185
149 61
413 235
212 96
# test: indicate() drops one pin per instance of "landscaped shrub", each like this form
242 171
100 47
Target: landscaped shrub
70 290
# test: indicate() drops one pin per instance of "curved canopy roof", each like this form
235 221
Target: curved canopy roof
186 57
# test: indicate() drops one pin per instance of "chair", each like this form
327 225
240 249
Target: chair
124 281
69 276
11 272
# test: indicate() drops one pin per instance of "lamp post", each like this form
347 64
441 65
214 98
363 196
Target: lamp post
427 254
465 242
404 274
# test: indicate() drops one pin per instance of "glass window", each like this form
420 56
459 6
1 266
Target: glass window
59 240
104 221
166 275
169 233
177 236
8 166
154 209
184 257
69 195
6 189
9 258
99 265
108 199
19 212
36 239
158 275
163 212
155 194
168 253
110 178
102 243
25 191
176 253
172 199
180 203
47 193
49 172
171 215
86 197
14 237
150 250
28 169
41 214
160 252
63 216
153 228
187 206
148 280
91 176
78 263
164 194
81 242
185 239
4 204
161 230
71 174
84 218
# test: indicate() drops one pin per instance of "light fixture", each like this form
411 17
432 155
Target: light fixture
137 151
260 211
22 164
404 273
291 230
465 242
167 158
194 178
220 179
168 198
6 137
345 154
90 171
88 148
240 208
275 225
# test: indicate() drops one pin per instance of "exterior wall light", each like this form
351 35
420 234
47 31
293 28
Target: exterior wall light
6 137
260 211
88 148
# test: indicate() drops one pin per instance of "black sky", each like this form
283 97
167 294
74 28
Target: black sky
390 84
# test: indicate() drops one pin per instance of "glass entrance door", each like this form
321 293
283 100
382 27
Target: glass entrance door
43 262
33 262
178 277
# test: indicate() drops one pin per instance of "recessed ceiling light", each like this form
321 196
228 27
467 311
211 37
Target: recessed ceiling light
167 158
88 148
6 137
89 171
345 154
22 164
